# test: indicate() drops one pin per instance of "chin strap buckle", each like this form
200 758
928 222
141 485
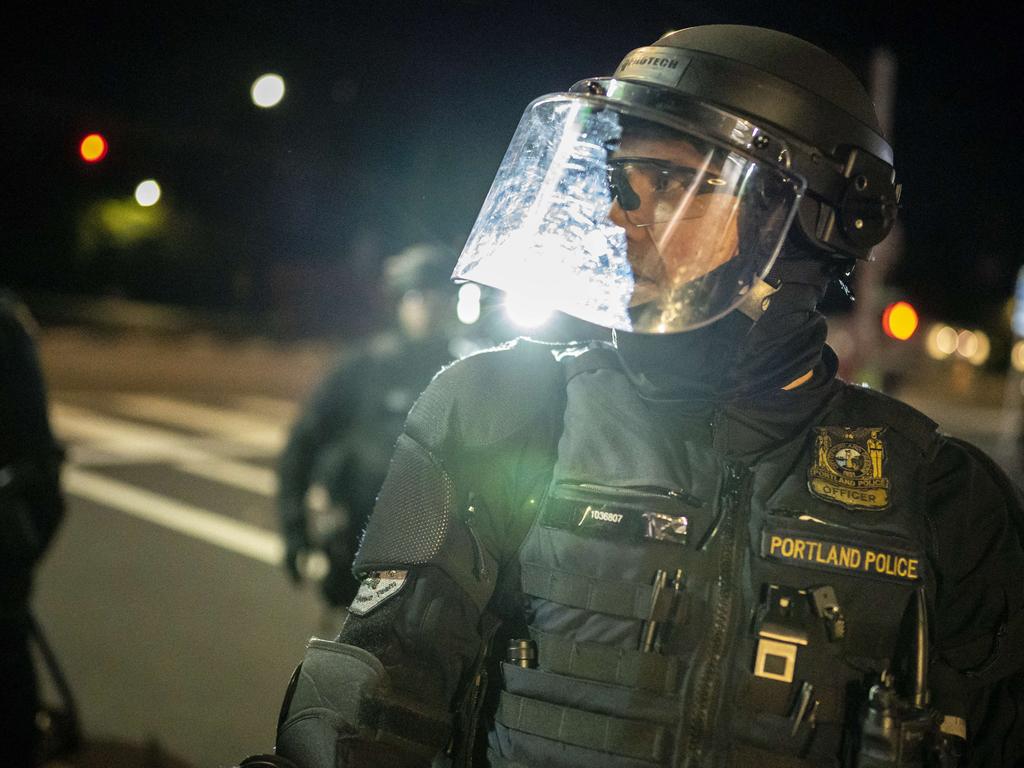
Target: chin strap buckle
757 298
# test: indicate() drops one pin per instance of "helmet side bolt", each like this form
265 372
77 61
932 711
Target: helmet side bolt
860 183
761 141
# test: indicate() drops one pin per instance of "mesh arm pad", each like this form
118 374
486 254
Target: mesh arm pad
418 521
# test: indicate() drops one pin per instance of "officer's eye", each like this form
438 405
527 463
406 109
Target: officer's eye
666 181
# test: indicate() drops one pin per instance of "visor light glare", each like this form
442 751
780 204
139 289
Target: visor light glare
525 311
468 307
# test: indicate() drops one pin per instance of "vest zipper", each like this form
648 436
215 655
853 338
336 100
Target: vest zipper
707 689
468 519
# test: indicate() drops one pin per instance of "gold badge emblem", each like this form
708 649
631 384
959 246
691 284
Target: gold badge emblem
848 467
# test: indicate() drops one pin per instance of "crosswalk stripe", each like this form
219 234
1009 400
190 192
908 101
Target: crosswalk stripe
142 443
241 426
190 520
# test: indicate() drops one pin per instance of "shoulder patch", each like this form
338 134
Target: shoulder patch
377 588
849 467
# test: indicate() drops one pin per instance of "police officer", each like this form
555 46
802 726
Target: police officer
694 546
31 508
345 435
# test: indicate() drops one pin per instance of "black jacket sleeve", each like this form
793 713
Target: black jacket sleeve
325 415
977 515
397 686
30 457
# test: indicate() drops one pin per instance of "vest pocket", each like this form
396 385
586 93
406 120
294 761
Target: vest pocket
541 714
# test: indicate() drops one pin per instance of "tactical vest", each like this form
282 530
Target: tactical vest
690 609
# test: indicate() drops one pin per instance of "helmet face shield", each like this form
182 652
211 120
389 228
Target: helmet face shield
627 219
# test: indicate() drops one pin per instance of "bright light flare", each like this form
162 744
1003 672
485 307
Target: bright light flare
468 307
267 90
899 320
974 346
940 342
526 311
1017 356
147 193
93 148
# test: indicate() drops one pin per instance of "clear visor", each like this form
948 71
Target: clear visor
625 221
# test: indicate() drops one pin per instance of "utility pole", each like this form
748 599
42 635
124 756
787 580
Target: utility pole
868 364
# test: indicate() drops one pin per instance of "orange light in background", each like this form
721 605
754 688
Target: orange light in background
93 148
899 320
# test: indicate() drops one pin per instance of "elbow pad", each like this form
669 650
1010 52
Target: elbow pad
338 703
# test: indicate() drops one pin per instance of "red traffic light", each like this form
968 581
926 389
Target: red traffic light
899 320
93 148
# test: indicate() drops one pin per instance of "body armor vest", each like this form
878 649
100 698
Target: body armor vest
692 608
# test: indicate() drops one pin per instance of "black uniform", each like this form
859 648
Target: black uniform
344 439
693 546
484 520
31 507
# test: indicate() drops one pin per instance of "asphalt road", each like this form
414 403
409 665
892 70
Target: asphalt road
161 595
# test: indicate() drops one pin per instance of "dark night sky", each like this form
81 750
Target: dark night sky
397 114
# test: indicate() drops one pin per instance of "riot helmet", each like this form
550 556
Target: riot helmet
656 200
419 267
418 281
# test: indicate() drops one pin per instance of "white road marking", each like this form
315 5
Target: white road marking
282 410
106 435
262 432
187 519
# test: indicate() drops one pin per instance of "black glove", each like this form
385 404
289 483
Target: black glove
295 546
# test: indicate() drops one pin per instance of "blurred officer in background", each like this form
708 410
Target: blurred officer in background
31 507
695 545
345 435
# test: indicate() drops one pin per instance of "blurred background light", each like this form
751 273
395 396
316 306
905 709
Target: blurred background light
526 311
899 320
468 307
1017 356
974 346
941 341
267 90
93 148
147 193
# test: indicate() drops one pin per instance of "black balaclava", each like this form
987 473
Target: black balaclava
734 358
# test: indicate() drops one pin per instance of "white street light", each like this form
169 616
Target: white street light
267 90
147 193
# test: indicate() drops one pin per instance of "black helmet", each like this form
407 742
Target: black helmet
819 108
657 200
423 266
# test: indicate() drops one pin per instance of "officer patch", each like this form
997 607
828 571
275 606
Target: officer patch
376 588
849 466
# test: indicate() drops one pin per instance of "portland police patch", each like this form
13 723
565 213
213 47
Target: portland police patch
849 467
377 587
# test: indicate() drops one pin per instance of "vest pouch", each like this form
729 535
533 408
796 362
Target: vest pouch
559 721
799 733
873 576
